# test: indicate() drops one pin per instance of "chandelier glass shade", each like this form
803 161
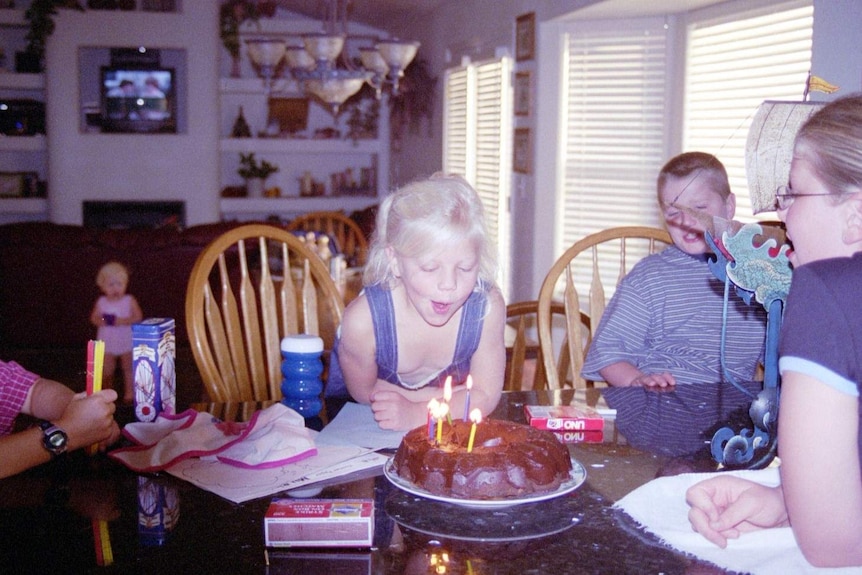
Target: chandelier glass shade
323 68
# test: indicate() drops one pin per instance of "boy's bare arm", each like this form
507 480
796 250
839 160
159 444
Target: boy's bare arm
624 374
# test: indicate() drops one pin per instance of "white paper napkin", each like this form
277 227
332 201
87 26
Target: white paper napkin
659 506
273 437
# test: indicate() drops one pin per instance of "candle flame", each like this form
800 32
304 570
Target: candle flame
432 405
447 389
442 410
476 416
469 382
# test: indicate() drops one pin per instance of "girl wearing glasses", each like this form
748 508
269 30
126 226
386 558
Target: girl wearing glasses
820 496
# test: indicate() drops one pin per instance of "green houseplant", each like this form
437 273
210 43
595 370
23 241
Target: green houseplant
255 173
40 15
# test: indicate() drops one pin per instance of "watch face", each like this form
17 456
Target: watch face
57 439
54 438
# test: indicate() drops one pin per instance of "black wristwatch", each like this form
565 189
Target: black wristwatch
54 439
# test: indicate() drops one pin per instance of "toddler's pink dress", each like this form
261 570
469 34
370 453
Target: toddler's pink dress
117 338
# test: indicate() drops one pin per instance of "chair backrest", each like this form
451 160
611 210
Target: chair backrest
249 288
347 234
523 356
610 253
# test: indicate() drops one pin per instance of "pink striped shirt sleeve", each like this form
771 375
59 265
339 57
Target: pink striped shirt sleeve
15 383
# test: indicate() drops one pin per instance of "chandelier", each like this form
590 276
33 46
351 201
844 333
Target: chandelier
321 65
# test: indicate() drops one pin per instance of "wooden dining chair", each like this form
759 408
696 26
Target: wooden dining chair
249 288
346 233
596 263
522 344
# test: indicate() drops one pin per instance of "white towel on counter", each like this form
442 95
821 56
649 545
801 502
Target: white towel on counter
273 437
659 507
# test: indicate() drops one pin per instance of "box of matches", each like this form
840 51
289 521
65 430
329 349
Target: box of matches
319 523
564 417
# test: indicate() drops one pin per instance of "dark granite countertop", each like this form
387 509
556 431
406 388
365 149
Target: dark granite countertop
46 523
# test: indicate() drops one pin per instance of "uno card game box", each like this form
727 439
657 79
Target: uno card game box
319 523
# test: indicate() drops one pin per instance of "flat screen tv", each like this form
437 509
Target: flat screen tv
138 100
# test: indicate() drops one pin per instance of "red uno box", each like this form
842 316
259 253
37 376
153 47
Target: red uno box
319 523
580 436
153 355
564 417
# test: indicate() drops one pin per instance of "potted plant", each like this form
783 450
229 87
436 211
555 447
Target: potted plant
40 15
232 14
255 173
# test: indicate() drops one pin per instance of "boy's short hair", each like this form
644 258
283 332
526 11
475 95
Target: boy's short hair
696 165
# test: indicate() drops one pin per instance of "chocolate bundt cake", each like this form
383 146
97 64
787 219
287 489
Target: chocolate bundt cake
507 460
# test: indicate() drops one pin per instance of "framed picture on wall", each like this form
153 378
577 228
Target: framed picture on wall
19 184
522 151
525 37
522 94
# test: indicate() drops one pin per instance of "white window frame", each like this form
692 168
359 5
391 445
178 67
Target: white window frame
477 128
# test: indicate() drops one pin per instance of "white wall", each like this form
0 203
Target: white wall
87 166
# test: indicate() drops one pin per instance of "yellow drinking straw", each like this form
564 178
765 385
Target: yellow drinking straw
95 366
102 539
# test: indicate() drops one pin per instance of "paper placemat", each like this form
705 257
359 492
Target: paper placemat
355 425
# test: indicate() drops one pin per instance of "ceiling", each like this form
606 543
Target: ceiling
385 13
378 13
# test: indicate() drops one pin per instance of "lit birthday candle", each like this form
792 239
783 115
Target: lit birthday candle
476 418
432 412
469 384
442 411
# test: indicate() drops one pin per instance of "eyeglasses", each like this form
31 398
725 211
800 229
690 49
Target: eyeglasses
784 196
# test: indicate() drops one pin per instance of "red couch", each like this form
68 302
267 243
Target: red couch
47 290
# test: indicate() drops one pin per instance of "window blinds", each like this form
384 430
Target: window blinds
734 63
477 124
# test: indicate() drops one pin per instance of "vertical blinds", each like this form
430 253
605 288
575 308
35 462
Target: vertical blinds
614 128
614 135
477 120
733 64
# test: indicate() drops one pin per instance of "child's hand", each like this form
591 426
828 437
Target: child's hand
89 420
392 410
654 380
726 506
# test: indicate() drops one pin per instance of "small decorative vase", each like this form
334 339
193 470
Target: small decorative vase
254 187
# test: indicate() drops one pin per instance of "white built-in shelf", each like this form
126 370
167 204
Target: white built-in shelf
35 143
299 146
15 81
295 204
23 205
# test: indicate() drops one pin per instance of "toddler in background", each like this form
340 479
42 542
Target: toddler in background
113 314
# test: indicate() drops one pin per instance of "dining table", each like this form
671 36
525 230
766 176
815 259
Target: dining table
90 514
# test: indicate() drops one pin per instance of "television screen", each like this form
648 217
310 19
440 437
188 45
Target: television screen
138 100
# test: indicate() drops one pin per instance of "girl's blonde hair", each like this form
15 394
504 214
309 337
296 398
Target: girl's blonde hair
110 270
831 140
424 215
